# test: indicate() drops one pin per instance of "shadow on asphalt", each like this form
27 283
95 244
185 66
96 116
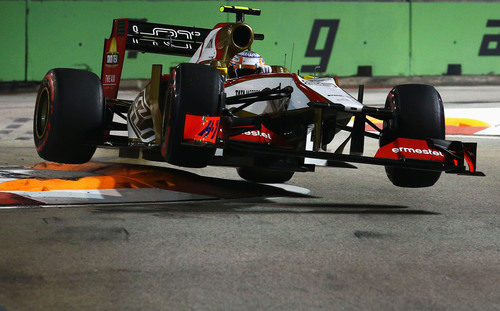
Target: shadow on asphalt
221 195
261 206
101 175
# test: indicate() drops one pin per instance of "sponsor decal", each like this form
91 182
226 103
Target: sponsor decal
109 78
140 118
263 135
243 92
112 55
209 130
417 151
410 149
258 134
176 38
201 129
161 32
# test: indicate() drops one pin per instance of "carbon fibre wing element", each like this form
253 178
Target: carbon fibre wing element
164 39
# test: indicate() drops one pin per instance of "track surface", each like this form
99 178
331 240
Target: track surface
356 243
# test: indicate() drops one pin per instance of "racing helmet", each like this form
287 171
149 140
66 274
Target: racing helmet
247 63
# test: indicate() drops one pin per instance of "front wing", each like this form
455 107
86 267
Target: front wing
431 154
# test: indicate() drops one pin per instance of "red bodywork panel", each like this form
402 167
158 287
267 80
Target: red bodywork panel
411 149
263 136
201 129
204 129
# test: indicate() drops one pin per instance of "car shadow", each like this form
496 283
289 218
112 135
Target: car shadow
134 176
260 206
205 195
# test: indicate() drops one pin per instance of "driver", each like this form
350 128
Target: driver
247 63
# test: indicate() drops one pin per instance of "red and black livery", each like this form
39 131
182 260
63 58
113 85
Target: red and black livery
269 126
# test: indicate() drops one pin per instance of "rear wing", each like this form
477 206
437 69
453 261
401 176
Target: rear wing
164 39
141 36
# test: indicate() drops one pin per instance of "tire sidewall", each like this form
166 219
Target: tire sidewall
418 114
47 90
411 121
75 115
179 103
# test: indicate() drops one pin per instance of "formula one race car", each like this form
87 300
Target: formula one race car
214 110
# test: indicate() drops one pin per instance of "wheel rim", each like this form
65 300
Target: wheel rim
42 113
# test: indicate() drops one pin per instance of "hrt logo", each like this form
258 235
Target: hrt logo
210 130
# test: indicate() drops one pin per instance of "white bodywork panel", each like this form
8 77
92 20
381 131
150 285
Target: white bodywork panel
297 99
325 87
309 147
137 119
207 51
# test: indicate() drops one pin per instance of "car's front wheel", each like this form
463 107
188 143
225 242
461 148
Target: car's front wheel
418 114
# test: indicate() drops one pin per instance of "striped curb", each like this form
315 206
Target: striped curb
51 183
462 121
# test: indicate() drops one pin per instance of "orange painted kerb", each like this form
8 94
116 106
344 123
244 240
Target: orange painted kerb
465 122
447 121
453 126
113 177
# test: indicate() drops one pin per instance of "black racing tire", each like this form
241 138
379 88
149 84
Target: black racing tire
69 115
419 114
197 90
264 175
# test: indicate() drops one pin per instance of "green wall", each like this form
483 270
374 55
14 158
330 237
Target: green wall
12 40
71 33
395 38
365 33
451 33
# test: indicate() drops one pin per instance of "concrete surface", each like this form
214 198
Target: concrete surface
357 243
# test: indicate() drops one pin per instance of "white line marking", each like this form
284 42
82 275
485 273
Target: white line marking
20 206
292 188
121 195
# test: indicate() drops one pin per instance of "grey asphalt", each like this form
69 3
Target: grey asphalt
355 243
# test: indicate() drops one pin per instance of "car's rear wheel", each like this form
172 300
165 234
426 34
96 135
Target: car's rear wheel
264 175
419 114
69 115
196 90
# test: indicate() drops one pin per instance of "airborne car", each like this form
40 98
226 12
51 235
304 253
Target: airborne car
268 125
